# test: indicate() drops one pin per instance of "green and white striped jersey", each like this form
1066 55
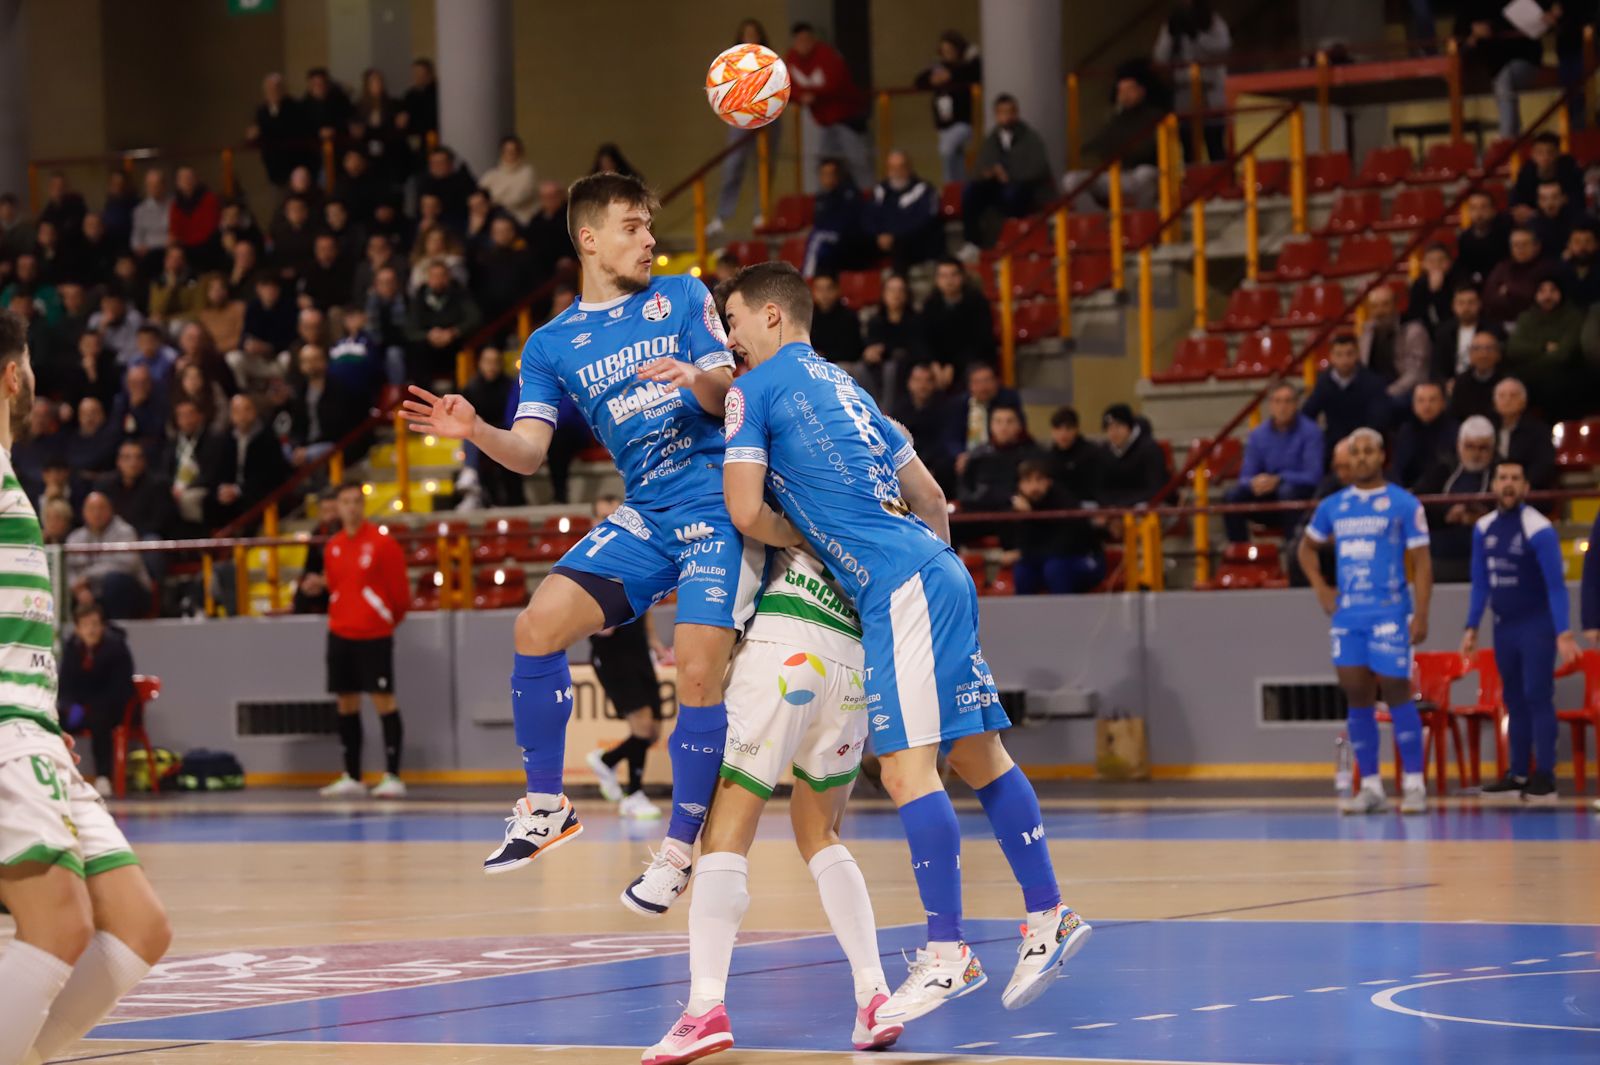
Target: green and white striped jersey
27 612
802 606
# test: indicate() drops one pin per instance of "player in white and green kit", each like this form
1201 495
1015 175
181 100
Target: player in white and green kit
88 924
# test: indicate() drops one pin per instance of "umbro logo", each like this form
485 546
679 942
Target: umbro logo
693 809
580 340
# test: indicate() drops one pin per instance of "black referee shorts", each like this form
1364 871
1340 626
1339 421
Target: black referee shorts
360 666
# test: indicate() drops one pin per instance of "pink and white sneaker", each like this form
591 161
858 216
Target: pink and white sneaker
871 1033
693 1038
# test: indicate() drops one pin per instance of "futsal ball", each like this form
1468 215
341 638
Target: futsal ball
800 677
748 86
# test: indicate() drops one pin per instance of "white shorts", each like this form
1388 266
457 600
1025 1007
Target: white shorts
790 708
50 814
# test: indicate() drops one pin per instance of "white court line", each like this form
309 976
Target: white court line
1271 998
1213 1009
1033 1035
968 1046
1091 1027
1385 1000
1531 961
1481 969
1155 1016
1578 954
1377 983
1324 990
1427 976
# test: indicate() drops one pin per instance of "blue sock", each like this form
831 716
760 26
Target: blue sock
1362 725
935 840
541 703
1012 807
1408 734
696 750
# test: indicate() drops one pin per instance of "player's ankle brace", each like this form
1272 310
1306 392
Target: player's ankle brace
696 751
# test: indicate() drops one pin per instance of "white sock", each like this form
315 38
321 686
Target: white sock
32 979
721 897
108 970
685 851
1413 782
944 949
1374 783
540 801
849 909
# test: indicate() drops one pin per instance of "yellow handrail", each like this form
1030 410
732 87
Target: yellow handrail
402 464
1008 327
336 468
1297 169
1130 554
885 130
977 127
1252 221
1164 165
463 549
1202 523
1155 571
1063 273
764 172
1199 238
207 575
241 582
269 527
1197 103
441 551
1074 123
1324 107
1147 340
1114 177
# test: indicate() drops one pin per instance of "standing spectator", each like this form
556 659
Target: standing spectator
246 468
442 315
196 212
321 413
1348 395
1136 468
291 236
1553 221
140 412
903 218
280 131
835 328
1509 288
117 212
96 678
420 105
269 324
1472 390
1521 437
1467 472
1398 352
192 450
325 282
511 182
1195 34
835 107
967 422
490 392
367 597
326 105
925 412
117 580
311 591
1282 462
138 496
1452 339
1061 556
1433 292
1077 464
1502 52
751 31
1013 175
1485 242
503 272
895 339
1129 135
378 115
1546 162
63 207
838 237
1545 354
1425 439
548 238
91 449
1580 280
959 324
951 79
452 182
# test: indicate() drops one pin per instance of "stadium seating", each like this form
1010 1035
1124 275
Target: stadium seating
1196 359
793 252
1225 460
1037 319
429 590
749 252
131 731
1496 159
859 289
791 214
1352 213
1412 209
1577 445
1090 273
1448 161
1585 147
509 538
1384 167
950 200
1140 228
1029 236
1327 173
499 588
1361 253
1272 177
1260 354
1299 260
1211 179
426 552
1313 304
1248 308
1248 566
557 536
1585 718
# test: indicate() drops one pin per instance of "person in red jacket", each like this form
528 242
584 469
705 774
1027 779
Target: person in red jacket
195 215
365 571
838 108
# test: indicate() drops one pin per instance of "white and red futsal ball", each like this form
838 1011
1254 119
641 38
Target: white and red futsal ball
748 86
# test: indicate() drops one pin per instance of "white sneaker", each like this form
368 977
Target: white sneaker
530 833
870 1033
1042 954
713 227
346 787
102 787
605 776
390 787
665 878
930 983
1414 799
637 806
1365 801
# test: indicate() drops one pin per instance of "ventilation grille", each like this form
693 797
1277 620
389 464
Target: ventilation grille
288 717
1301 703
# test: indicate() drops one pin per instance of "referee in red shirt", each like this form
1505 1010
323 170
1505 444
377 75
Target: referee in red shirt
368 593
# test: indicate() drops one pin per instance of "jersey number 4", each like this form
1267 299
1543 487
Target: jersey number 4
601 538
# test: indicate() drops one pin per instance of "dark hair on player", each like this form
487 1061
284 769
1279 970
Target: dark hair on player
589 197
1064 418
13 337
766 283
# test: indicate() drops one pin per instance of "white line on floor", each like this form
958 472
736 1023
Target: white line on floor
1271 998
1033 1035
1088 1027
977 1046
1213 1008
1481 969
1578 954
1155 1016
1531 961
1427 976
1322 990
1377 983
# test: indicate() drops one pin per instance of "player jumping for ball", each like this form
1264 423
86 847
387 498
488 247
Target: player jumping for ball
795 698
88 923
648 364
852 487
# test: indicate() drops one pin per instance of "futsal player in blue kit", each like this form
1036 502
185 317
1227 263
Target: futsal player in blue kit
648 364
1375 528
1517 569
850 485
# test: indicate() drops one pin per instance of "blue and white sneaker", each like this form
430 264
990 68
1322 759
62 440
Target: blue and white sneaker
1044 950
662 882
931 982
532 833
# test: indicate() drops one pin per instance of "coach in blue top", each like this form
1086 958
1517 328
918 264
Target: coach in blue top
1516 568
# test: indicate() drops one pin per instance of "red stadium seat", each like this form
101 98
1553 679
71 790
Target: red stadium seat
1196 359
1585 149
1225 461
1090 273
1272 177
1032 277
1140 228
1249 566
1360 254
1412 209
1384 167
429 588
749 252
1261 354
791 214
1496 158
1325 173
508 538
1248 308
496 588
1352 213
1313 304
793 252
1037 319
1445 162
558 536
130 732
859 289
1088 232
1577 446
1025 236
1583 718
1298 260
950 200
426 552
1210 179
1489 707
1449 237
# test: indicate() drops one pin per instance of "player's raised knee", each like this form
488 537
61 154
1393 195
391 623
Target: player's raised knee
536 634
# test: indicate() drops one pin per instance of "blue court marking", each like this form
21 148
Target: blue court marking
1295 993
1455 823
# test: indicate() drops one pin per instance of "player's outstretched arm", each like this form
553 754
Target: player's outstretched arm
744 488
710 387
925 498
522 448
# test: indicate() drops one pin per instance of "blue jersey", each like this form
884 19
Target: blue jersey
1371 530
1517 569
832 463
664 444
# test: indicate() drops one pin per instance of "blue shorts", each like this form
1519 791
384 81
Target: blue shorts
1380 642
926 679
692 549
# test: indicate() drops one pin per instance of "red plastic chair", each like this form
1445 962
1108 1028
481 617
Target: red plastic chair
1412 209
1272 177
1248 308
1037 319
950 200
1496 158
1488 707
1196 359
1298 260
792 214
1140 228
1352 213
1225 461
1582 719
146 690
1325 173
1313 304
1445 162
426 552
1362 253
1088 232
1585 147
1260 354
1431 677
1384 167
1577 445
498 588
1248 566
860 288
430 587
749 252
1090 273
558 536
793 252
1027 236
508 538
1218 178
1032 277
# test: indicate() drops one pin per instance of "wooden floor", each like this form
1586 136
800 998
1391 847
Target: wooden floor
309 934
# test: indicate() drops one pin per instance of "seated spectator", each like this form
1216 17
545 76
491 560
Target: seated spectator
152 221
726 268
321 413
1136 468
1013 175
354 362
196 348
491 393
269 327
325 282
835 328
311 591
1485 242
546 232
1555 218
1509 288
419 106
137 496
480 212
379 253
1282 462
311 327
1468 471
220 314
1347 395
903 218
70 326
436 244
950 80
1579 278
56 522
1521 437
1472 390
59 259
1398 352
838 237
1425 438
350 235
236 226
925 411
97 251
173 292
988 471
1433 292
1077 464
91 449
359 186
198 388
290 238
152 352
503 272
1061 556
58 486
246 468
958 323
442 315
64 207
452 182
1129 135
1452 339
1337 477
140 409
511 183
388 313
117 323
95 374
895 340
242 268
196 212
1545 354
967 422
95 686
118 580
191 451
1546 163
29 285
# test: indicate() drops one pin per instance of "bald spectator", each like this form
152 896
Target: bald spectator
1282 462
903 218
1523 438
1509 288
117 580
1425 438
1468 471
92 447
1472 390
140 411
1398 352
247 468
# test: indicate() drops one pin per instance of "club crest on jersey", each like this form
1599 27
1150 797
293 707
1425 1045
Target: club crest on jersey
732 413
1380 504
713 320
580 340
656 308
579 316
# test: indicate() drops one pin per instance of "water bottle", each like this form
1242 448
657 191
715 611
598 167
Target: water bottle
1343 762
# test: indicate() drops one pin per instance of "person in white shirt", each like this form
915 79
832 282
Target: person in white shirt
511 183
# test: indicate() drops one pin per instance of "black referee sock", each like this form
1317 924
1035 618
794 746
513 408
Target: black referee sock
393 737
350 736
638 747
617 753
